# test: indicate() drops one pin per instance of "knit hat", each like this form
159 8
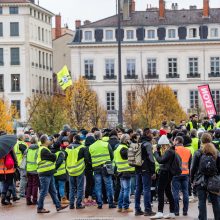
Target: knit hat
163 140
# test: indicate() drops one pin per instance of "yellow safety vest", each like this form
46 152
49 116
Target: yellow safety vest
62 169
18 153
32 160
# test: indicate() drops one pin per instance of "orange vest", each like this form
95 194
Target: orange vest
3 169
185 155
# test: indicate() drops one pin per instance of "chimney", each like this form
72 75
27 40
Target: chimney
133 6
126 9
86 22
161 9
205 8
58 26
77 24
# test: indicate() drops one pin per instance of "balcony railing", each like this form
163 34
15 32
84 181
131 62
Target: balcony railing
216 74
172 76
109 77
195 75
154 76
131 76
90 77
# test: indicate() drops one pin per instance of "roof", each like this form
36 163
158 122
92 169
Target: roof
15 1
151 18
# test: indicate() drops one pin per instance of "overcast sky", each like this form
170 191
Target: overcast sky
93 10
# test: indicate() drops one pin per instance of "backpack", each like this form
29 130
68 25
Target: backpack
134 155
207 165
176 165
9 162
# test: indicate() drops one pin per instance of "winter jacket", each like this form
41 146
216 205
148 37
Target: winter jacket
33 147
165 160
196 177
148 165
113 142
62 157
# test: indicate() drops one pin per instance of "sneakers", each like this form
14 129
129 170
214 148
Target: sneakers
43 211
138 213
112 206
80 207
185 213
149 213
159 215
65 201
169 216
119 210
127 210
62 207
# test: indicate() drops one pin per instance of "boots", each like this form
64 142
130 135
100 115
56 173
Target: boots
65 201
8 196
3 200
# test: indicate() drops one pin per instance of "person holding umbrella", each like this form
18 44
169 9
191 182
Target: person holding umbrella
8 166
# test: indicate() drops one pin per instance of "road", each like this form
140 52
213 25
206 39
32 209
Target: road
19 211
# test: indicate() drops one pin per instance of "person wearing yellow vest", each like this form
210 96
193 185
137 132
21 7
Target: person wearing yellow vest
217 121
125 173
181 183
193 123
206 125
46 169
75 165
100 154
20 148
60 175
195 140
32 175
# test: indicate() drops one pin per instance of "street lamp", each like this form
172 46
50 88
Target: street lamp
120 110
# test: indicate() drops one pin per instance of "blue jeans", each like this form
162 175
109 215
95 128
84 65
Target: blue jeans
47 184
143 183
215 200
60 186
108 186
23 182
78 183
124 196
181 183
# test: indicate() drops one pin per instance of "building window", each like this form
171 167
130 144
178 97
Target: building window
215 63
194 99
42 34
1 29
1 56
193 67
109 35
130 34
151 68
15 56
0 10
40 83
17 105
43 84
172 68
15 83
131 97
110 101
47 61
151 34
172 33
43 58
88 35
39 33
1 83
39 59
13 10
175 92
214 32
216 99
109 69
14 29
193 33
89 69
131 69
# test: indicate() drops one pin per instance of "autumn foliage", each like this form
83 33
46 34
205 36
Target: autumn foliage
152 106
8 113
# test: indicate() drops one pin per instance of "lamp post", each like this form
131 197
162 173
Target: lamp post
120 110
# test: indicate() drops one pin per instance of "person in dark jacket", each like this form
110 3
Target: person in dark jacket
89 175
164 155
144 175
46 169
200 180
61 175
113 139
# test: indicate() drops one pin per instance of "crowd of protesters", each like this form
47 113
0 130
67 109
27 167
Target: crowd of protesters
91 168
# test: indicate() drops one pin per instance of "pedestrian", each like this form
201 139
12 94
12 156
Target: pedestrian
60 175
20 148
125 172
89 175
8 166
144 175
75 164
100 154
46 169
181 183
164 155
199 178
32 175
